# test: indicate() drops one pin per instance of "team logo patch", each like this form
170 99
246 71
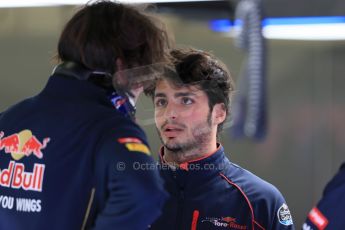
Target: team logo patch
19 145
317 218
225 222
284 215
134 144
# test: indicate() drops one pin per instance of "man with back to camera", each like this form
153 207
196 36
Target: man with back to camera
207 190
329 211
66 154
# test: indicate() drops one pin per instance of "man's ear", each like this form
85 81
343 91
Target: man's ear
219 113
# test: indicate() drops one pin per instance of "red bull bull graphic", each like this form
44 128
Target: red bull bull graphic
34 146
22 144
10 143
19 145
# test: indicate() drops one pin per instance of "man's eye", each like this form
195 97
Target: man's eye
187 101
160 102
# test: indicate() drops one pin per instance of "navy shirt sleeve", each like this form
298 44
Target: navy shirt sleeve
329 212
271 209
133 194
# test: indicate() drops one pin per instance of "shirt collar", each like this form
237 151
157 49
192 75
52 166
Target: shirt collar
200 161
195 173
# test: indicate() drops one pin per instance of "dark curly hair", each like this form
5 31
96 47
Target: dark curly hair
203 70
102 31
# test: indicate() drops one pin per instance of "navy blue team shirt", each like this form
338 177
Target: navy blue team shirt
329 212
213 193
66 162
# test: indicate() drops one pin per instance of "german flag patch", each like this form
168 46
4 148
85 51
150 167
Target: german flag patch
134 144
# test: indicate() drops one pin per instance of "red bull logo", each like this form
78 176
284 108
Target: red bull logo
22 144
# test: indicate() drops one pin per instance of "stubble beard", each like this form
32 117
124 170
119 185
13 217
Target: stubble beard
201 134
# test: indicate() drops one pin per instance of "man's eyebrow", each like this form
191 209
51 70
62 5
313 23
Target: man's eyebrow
159 95
179 94
184 94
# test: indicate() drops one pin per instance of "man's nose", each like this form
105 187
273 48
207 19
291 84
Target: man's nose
171 112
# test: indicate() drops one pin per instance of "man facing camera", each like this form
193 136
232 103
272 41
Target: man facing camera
207 190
